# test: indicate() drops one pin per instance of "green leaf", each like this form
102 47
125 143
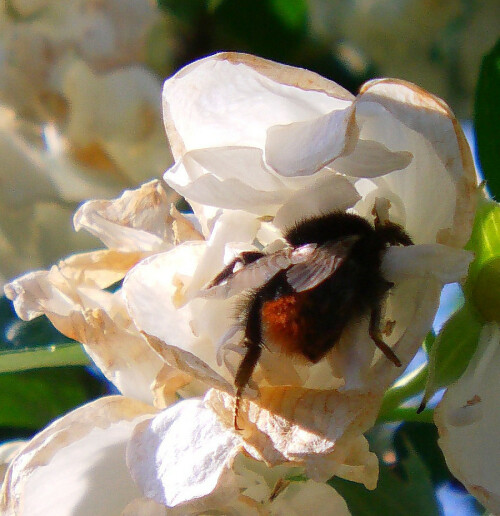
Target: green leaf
403 490
429 342
452 350
408 414
486 291
423 439
259 28
186 10
486 117
31 399
406 387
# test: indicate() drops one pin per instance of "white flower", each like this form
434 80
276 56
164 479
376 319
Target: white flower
468 420
258 146
79 465
278 141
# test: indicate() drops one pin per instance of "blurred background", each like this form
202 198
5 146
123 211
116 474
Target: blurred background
80 118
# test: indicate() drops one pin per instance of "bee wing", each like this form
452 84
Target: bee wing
257 273
320 265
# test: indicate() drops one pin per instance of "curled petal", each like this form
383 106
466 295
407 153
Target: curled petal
231 193
8 450
371 159
182 455
303 148
310 428
155 286
139 220
413 306
99 268
68 468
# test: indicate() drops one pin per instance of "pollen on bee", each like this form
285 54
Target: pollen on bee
282 324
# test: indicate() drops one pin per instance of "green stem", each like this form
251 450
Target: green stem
407 414
54 356
410 385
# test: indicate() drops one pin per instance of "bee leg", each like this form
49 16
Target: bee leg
244 258
376 336
253 343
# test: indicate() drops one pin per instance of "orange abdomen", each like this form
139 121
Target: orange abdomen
283 323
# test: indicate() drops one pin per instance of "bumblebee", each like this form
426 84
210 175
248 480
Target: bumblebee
303 296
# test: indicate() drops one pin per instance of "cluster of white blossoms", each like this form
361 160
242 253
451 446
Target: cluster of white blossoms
444 40
258 146
80 117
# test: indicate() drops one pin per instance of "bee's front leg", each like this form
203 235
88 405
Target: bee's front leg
244 259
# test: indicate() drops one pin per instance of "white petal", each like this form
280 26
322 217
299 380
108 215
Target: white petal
302 148
136 221
304 426
183 454
153 290
76 466
8 450
413 305
234 163
468 419
371 159
324 195
437 186
309 497
232 99
193 182
445 263
145 507
99 268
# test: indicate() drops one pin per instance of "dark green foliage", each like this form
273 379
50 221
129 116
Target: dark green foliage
423 440
487 119
31 399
